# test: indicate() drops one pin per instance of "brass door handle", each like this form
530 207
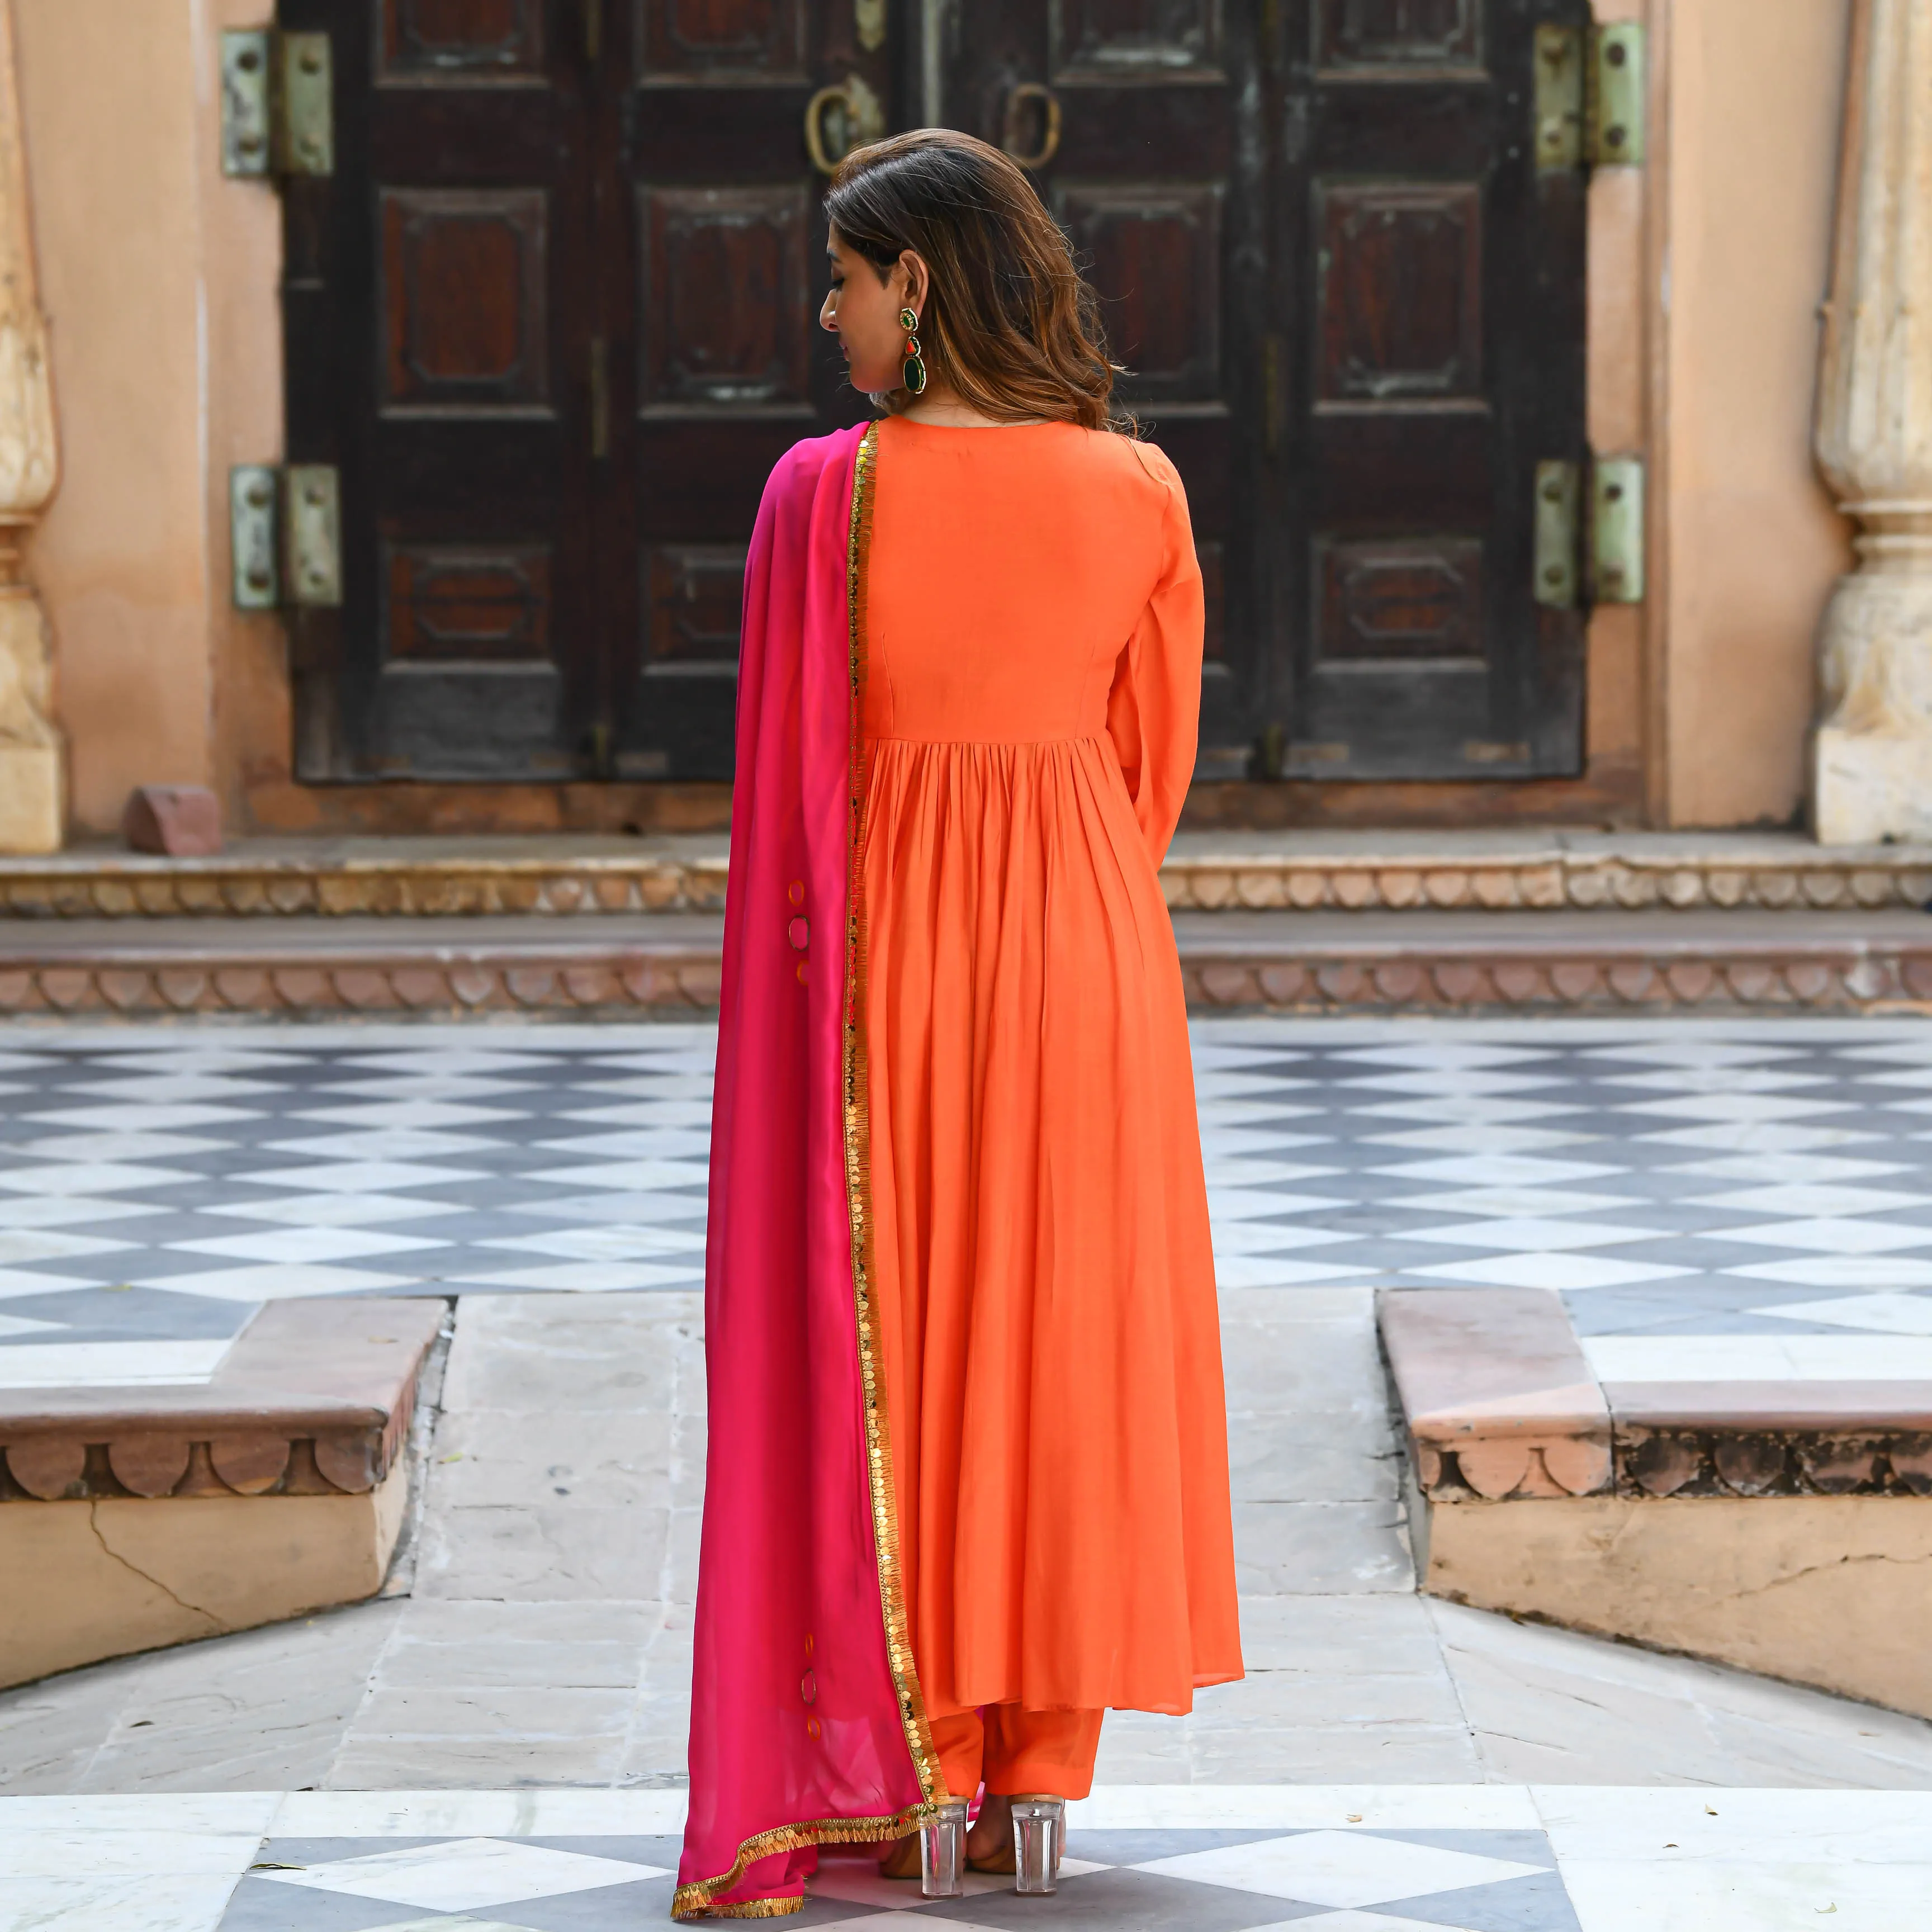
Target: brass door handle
1049 140
860 110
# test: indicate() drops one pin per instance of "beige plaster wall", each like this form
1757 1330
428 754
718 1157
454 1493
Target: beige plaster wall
159 280
1751 543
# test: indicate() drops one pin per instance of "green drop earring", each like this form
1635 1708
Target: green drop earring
913 374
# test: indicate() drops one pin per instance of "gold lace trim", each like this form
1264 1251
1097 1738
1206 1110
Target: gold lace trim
859 1166
694 1900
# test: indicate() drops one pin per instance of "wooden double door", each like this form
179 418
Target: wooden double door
553 320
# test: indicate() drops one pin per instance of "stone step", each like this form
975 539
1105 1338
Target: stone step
1783 1526
152 1513
666 965
1338 871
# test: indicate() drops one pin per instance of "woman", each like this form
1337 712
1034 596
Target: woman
967 1486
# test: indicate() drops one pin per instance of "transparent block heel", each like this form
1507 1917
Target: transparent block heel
942 1853
1040 1836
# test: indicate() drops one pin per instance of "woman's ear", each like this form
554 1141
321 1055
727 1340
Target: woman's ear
918 280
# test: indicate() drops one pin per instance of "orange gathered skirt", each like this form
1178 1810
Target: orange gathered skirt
1051 1349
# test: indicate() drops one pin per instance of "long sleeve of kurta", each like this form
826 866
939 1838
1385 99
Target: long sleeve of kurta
1154 711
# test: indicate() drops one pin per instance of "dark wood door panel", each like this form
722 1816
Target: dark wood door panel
1108 40
1398 36
725 302
1427 307
465 300
713 43
1399 292
1153 250
431 42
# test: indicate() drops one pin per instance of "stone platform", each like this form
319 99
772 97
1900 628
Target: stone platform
1474 872
203 1487
1780 1523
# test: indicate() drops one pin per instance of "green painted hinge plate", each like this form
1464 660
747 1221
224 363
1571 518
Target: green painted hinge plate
285 536
1618 96
277 104
1617 529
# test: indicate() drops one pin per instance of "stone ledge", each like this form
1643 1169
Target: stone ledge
1522 962
1781 1527
1335 872
666 965
1553 872
1498 1398
1501 1405
306 1402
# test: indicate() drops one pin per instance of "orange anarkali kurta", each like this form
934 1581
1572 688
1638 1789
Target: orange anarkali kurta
1032 628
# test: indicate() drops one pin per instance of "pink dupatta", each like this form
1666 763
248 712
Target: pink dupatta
807 1726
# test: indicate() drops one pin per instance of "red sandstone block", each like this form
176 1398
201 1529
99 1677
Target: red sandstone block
183 821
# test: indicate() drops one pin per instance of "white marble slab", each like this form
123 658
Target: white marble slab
95 1904
110 1364
462 1814
1261 1808
1759 1358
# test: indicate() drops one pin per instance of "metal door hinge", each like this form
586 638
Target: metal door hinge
1617 96
1559 532
277 104
285 529
1616 530
1558 99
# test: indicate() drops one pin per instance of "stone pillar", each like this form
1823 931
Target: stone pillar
1872 760
31 794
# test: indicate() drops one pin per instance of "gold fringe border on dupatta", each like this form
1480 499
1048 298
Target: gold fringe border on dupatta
694 1900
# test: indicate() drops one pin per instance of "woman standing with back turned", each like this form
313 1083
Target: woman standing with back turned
967 1481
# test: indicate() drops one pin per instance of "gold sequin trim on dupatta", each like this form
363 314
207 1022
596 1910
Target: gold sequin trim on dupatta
859 1167
694 1900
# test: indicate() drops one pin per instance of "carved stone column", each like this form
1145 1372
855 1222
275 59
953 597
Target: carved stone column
1872 761
31 799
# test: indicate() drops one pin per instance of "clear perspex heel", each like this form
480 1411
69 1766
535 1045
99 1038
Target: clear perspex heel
1039 1836
942 1853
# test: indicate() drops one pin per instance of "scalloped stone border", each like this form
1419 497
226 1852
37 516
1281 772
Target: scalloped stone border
1682 874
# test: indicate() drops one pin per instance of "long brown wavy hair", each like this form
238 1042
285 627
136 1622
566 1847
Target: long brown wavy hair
1009 324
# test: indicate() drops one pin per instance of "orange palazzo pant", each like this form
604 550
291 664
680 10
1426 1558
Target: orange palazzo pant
1033 621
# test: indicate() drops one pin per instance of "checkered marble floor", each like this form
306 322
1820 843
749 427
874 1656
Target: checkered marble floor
1494 1859
1746 1199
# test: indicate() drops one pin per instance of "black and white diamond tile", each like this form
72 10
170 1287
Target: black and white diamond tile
1143 1858
1743 1179
1351 1879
